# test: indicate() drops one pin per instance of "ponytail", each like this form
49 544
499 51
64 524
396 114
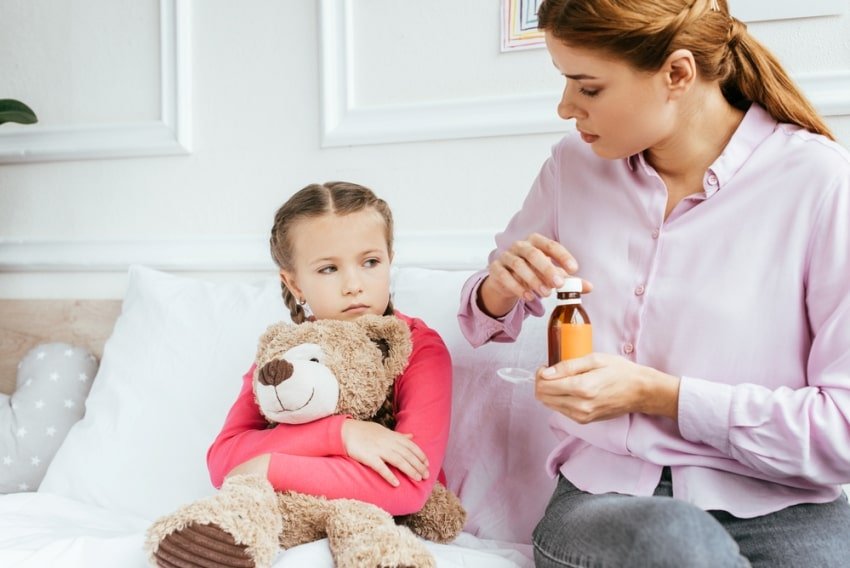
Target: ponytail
756 75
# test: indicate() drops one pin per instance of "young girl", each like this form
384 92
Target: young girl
707 203
333 245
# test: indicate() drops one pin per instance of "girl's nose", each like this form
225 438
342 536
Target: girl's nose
352 285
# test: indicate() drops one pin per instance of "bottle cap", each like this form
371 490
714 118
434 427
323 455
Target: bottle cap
571 284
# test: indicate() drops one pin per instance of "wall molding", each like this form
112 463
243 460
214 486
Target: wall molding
171 134
454 250
761 11
343 123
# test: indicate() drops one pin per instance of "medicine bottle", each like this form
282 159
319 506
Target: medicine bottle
570 333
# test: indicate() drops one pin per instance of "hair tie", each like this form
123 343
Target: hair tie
737 29
302 301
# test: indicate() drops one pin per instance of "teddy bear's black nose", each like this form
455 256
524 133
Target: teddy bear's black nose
275 372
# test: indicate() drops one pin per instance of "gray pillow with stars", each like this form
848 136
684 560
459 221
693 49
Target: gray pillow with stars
52 385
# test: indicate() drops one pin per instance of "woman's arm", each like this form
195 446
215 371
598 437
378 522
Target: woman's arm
526 264
788 432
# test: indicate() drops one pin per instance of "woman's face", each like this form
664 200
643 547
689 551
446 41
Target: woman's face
618 111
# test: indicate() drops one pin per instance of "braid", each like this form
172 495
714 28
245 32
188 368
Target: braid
296 310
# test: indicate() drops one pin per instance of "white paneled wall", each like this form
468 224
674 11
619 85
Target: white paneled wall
171 130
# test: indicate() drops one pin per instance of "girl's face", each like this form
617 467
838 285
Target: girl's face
618 111
341 265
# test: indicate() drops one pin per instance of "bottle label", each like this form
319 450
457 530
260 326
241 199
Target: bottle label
576 340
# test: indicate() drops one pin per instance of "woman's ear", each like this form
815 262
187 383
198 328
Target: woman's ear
680 72
288 279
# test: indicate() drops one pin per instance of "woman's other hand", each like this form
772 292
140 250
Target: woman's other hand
529 268
375 446
600 386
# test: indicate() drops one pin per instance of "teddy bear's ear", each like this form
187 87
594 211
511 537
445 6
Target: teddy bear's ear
392 336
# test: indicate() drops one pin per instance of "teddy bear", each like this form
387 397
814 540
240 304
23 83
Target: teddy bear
305 372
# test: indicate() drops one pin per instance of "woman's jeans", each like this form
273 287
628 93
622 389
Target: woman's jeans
580 529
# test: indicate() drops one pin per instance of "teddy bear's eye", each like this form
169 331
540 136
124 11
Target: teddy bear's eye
314 359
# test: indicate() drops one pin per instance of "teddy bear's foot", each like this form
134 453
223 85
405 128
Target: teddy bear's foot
441 518
237 527
202 545
360 534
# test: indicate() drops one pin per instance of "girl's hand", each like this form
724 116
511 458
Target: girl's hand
531 266
601 386
258 465
375 446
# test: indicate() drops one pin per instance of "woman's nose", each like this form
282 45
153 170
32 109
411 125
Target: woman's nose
566 108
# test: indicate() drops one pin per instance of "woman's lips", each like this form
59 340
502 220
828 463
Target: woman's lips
589 138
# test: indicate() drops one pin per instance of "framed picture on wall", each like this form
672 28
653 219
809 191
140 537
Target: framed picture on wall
519 25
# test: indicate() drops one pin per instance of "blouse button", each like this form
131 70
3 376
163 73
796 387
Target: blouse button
628 348
712 179
639 291
655 233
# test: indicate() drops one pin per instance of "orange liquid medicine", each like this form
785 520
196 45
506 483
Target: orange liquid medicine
570 332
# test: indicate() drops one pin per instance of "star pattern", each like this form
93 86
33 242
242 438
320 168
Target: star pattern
61 377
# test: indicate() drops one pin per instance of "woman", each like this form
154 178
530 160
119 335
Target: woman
708 205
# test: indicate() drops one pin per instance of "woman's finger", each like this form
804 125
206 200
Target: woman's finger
554 250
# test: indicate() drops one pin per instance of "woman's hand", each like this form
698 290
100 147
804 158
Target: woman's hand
258 465
600 386
375 446
531 266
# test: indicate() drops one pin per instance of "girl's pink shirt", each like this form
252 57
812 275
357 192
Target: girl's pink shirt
310 458
743 291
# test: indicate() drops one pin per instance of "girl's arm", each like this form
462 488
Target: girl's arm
423 409
246 434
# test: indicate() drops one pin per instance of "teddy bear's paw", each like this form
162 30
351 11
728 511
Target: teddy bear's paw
202 545
242 519
385 546
441 519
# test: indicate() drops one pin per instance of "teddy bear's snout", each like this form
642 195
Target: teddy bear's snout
275 372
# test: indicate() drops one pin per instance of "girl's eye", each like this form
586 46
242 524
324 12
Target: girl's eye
327 269
371 262
588 92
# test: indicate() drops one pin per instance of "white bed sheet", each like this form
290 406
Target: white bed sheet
39 530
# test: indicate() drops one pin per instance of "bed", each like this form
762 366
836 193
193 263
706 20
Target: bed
172 354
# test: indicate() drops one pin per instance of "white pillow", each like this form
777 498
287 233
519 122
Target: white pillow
500 435
169 373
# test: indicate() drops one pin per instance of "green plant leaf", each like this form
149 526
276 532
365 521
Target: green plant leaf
16 111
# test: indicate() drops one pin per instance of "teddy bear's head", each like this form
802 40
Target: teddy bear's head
317 368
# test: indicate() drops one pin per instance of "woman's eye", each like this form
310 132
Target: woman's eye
588 92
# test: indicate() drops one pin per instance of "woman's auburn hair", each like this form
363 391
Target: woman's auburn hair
643 33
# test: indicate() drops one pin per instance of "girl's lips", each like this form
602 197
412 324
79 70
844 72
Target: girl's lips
589 138
356 308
